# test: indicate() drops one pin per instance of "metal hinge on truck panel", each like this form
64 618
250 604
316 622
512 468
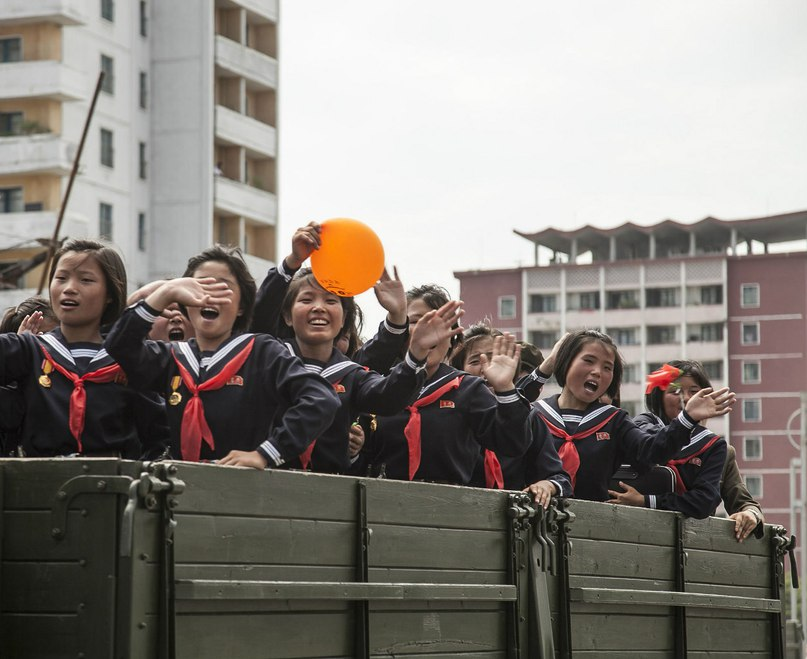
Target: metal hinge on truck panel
781 545
544 556
519 511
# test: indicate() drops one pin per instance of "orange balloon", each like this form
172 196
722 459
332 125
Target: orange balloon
350 259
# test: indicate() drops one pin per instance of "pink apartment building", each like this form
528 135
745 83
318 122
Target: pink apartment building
717 291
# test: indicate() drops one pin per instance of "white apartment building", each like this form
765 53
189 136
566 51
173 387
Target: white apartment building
181 151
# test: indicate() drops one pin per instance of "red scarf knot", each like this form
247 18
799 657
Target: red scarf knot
78 398
412 429
194 424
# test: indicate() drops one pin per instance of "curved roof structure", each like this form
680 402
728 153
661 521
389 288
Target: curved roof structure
669 237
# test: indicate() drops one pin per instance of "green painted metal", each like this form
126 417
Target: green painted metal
194 561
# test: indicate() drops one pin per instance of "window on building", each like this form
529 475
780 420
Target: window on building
588 301
713 370
752 410
624 336
543 340
107 148
10 49
141 232
631 373
663 297
751 372
749 295
105 221
144 89
10 123
706 332
749 333
752 448
697 295
143 19
11 200
622 300
108 68
507 305
754 485
632 407
662 334
108 10
142 162
654 366
543 303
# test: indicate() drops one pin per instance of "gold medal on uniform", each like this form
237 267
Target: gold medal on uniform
175 398
44 380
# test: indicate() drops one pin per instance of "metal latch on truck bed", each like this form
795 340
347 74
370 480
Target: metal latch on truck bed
157 479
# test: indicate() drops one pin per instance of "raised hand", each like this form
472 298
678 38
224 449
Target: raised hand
500 369
435 328
389 292
32 323
303 243
708 403
190 292
547 367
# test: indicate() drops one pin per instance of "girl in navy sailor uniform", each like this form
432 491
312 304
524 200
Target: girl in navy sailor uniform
696 469
234 397
380 353
316 318
540 467
76 396
438 437
594 438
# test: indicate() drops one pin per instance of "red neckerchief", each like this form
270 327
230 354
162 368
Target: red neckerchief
568 451
494 479
78 398
412 429
680 487
194 425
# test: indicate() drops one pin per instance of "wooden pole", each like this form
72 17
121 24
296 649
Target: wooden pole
74 171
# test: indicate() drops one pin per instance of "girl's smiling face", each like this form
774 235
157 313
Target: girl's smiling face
316 315
589 376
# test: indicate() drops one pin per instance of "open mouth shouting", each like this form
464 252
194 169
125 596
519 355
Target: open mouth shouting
176 334
591 386
209 313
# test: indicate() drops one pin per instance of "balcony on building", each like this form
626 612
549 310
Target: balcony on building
240 199
236 60
61 12
235 129
36 154
43 79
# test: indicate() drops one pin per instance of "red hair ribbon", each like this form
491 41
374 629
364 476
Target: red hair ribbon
662 378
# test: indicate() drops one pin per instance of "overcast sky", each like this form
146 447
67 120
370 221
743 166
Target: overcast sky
446 124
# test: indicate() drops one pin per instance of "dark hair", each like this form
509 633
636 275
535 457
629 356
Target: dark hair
470 337
352 318
435 297
574 343
111 265
12 318
234 260
654 401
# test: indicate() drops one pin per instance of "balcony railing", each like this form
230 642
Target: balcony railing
247 63
42 79
238 129
36 154
63 12
234 198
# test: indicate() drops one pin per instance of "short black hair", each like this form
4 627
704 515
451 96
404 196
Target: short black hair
234 260
112 267
574 343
